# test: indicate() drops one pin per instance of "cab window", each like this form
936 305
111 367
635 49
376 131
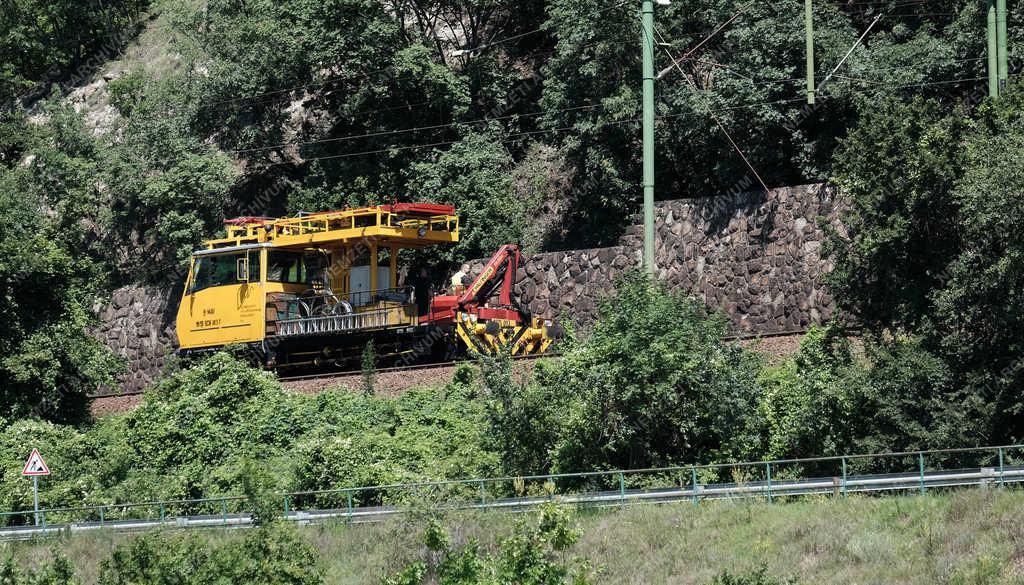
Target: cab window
210 271
286 267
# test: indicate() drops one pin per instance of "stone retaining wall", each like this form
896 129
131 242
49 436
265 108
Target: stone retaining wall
755 256
138 324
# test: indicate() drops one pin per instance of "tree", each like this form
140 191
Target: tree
368 364
475 176
524 415
929 263
49 362
910 399
980 310
897 170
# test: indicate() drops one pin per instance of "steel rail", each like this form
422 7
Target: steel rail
413 367
768 489
351 373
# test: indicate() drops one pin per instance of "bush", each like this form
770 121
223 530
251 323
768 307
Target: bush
48 362
807 405
57 572
532 555
756 577
221 427
266 555
654 385
524 415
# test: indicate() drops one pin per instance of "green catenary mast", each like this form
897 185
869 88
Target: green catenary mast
648 132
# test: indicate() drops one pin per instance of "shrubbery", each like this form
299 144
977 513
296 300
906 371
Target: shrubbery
269 555
652 385
931 265
196 433
532 555
756 577
59 571
634 393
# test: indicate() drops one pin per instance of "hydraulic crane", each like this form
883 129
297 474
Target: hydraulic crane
488 326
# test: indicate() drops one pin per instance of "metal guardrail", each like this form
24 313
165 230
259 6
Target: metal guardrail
769 480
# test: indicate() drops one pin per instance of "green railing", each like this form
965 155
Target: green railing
783 478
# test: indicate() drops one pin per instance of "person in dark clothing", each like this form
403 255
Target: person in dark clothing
421 287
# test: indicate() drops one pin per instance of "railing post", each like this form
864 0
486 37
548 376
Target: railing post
844 477
768 475
163 512
101 515
920 465
693 482
287 506
483 495
348 494
224 511
1000 466
622 489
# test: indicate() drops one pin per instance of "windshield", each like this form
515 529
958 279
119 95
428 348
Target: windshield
222 269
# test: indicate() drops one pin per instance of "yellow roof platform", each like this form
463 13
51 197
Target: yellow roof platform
404 225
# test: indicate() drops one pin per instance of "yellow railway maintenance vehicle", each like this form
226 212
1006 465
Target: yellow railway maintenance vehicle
313 290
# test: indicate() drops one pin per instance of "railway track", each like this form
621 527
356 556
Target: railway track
350 373
448 364
411 368
919 482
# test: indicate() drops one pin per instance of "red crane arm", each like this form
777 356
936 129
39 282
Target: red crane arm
501 268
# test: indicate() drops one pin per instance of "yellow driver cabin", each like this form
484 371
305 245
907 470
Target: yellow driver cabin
314 288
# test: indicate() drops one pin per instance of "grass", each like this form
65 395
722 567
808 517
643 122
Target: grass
960 538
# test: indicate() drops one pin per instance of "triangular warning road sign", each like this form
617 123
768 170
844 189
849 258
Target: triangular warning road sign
35 465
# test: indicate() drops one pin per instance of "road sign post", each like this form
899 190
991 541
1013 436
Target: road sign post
35 496
34 467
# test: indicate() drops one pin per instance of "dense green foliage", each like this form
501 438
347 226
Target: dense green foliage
47 360
198 434
281 106
634 393
829 399
526 117
351 101
277 107
930 256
